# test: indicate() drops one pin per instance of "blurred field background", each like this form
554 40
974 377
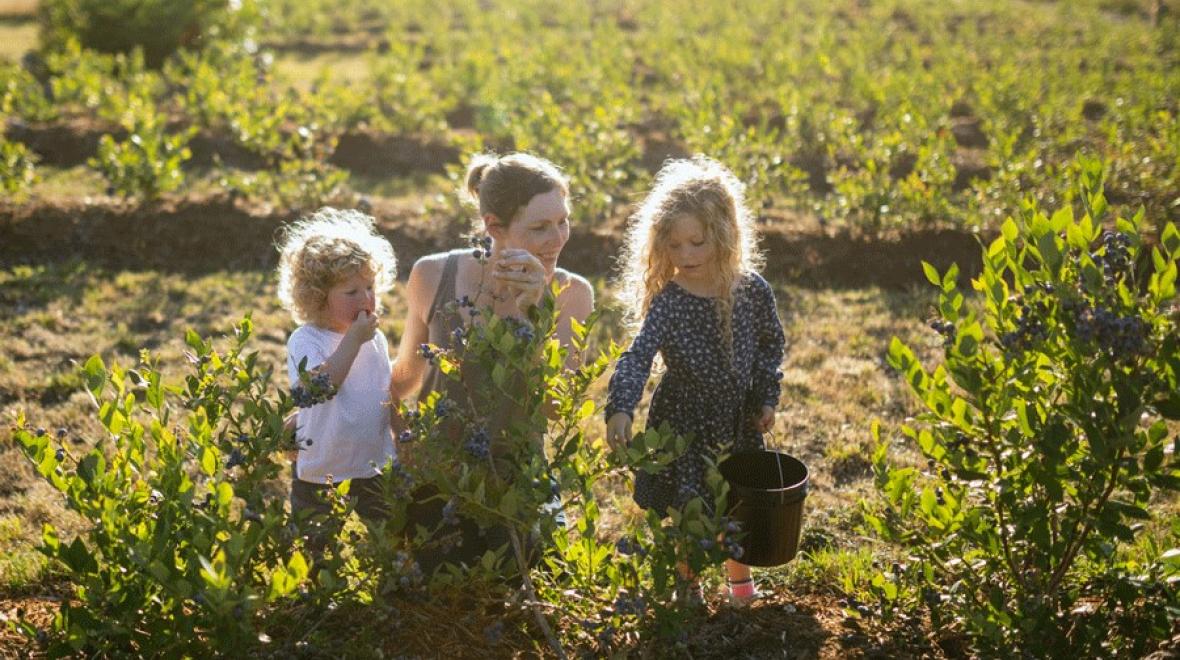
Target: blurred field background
872 135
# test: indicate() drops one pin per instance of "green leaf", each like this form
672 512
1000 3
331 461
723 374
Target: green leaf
92 467
1169 407
1170 239
1009 230
94 373
931 273
77 556
208 461
1129 510
49 538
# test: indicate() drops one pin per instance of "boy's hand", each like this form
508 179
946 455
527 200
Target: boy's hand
618 431
363 328
765 421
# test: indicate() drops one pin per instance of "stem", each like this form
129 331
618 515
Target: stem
531 592
1076 542
1008 559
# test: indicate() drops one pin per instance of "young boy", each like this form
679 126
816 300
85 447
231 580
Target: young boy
333 268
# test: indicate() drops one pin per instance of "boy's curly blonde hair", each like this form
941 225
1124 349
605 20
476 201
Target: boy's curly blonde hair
317 252
705 189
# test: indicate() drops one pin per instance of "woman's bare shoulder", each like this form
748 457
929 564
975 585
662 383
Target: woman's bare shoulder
575 290
425 276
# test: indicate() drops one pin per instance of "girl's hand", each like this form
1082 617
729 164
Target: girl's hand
362 329
618 431
523 275
765 421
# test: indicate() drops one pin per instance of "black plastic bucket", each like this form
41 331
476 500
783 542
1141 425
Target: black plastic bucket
766 493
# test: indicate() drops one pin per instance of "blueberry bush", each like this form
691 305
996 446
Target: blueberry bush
188 546
1046 436
484 453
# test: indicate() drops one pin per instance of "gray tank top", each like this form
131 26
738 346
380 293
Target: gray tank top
441 322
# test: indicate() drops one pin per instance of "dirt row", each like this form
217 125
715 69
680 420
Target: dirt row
73 141
218 233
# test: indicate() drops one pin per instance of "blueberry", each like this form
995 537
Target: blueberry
448 513
62 433
524 333
405 437
626 546
60 455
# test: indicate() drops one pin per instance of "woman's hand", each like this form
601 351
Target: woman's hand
765 421
618 431
522 275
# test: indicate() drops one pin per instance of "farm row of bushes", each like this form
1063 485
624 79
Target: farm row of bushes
894 114
1046 432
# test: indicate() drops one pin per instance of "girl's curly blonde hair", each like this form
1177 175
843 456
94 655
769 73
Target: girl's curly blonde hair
317 252
705 189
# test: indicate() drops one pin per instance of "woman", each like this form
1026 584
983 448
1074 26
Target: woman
523 205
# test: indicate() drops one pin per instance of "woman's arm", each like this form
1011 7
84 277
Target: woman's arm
409 367
576 301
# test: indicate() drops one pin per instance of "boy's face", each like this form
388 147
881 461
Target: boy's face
542 227
690 250
348 297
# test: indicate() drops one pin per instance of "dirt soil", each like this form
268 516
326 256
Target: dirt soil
196 235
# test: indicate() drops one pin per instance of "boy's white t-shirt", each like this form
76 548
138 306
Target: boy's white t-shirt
349 432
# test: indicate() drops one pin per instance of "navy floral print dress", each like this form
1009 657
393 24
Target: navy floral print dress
705 392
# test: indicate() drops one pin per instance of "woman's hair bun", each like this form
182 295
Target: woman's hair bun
475 171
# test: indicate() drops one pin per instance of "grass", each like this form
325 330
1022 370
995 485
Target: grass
56 315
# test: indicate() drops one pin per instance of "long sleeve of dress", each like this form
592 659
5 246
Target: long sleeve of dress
634 365
770 345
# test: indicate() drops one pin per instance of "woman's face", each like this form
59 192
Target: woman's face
542 227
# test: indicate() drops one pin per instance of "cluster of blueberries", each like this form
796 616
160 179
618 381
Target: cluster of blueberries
728 542
318 389
625 604
1119 336
412 575
524 332
606 631
627 545
235 459
479 444
482 247
962 442
1029 328
403 480
946 329
429 353
1115 258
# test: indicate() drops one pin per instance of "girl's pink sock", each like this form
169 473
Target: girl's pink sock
743 589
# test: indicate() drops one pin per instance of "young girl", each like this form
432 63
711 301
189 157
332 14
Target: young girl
689 283
332 270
